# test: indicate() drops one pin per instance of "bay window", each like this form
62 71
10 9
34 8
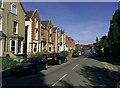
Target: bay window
12 46
19 46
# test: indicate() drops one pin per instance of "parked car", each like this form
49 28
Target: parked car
98 53
79 53
57 58
75 54
82 52
30 65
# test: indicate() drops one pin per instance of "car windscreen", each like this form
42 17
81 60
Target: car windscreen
52 55
75 52
33 59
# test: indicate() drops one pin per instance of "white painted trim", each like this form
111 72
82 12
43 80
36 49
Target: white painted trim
2 4
16 32
1 23
16 47
21 48
1 48
10 45
11 8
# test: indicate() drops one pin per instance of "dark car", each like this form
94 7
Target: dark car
30 65
98 53
57 58
75 54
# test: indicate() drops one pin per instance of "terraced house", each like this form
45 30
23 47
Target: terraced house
62 40
12 26
33 32
71 45
56 39
44 38
50 40
59 40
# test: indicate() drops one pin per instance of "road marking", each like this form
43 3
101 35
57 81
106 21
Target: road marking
75 67
59 79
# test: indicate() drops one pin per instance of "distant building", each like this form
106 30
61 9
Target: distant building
71 45
84 46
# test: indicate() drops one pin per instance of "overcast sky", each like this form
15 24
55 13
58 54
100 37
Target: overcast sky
83 21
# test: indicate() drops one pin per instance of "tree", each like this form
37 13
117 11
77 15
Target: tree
114 34
97 45
104 42
114 30
97 39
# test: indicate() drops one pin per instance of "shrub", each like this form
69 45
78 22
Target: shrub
8 63
37 54
44 52
65 53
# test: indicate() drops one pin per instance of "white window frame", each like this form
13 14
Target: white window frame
36 23
13 9
36 34
12 46
1 3
50 39
0 23
15 27
20 46
50 31
35 47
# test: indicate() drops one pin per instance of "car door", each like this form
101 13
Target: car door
37 63
41 63
61 57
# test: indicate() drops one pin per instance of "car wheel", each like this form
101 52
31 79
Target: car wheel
65 60
45 66
59 62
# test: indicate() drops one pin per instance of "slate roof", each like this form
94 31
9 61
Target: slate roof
29 15
54 29
45 23
62 32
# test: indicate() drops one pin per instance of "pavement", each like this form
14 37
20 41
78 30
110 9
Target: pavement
80 71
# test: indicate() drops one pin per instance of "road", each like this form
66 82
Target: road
80 71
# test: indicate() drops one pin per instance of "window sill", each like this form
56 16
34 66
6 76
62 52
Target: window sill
13 13
20 53
15 33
